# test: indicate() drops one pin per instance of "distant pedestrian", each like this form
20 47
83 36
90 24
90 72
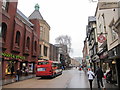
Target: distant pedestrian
17 74
109 76
26 71
99 73
91 76
62 67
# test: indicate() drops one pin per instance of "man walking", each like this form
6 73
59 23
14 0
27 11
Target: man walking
100 75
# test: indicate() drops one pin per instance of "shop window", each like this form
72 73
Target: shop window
45 50
28 43
5 4
3 32
31 67
10 67
17 40
24 66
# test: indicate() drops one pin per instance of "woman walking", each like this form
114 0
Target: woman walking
91 76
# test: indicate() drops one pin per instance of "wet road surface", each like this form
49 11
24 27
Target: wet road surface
69 79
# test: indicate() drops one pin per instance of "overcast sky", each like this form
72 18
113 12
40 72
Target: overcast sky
65 17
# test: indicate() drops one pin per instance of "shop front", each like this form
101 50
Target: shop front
10 64
96 62
114 56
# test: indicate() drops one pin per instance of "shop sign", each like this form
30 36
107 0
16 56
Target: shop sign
101 39
108 5
104 55
12 56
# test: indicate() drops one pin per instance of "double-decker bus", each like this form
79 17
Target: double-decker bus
45 68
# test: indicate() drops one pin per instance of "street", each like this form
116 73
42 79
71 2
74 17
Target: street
69 79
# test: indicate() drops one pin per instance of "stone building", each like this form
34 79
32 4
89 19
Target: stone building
92 42
108 27
44 33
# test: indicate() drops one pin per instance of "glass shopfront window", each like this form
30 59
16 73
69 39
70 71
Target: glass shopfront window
31 67
24 66
10 67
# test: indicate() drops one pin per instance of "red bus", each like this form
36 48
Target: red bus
48 68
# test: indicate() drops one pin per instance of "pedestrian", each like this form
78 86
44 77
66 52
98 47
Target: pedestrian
109 76
99 73
26 71
62 68
17 74
91 76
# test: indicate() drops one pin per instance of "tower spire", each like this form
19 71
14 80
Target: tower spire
37 7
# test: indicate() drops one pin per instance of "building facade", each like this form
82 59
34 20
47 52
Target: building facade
63 56
44 33
85 51
103 37
19 39
54 53
92 42
108 23
75 63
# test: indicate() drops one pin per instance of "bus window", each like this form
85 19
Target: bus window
42 63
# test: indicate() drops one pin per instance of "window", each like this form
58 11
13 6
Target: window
28 43
45 51
5 4
40 50
10 69
43 63
114 34
41 28
17 40
35 47
100 27
3 32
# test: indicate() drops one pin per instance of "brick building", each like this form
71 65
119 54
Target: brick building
19 38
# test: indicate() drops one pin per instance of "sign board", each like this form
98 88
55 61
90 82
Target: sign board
12 56
108 5
101 38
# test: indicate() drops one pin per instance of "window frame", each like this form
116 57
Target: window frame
5 4
17 38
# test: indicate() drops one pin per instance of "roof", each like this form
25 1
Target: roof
24 17
36 14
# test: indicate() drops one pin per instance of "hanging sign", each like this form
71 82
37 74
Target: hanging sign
101 38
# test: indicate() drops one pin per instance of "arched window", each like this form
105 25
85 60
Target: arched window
28 43
17 40
3 32
35 45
